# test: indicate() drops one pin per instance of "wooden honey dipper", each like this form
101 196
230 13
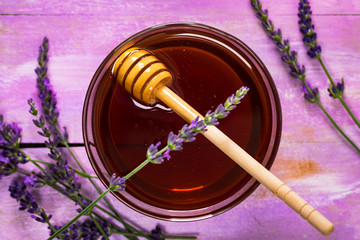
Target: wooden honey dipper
145 77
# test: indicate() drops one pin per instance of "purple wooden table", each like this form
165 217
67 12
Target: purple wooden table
313 158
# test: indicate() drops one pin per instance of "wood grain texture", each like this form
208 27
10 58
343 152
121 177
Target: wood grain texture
313 159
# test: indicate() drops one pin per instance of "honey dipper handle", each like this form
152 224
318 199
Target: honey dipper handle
248 163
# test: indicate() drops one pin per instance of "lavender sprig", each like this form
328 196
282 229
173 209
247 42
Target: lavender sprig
187 133
59 172
27 202
310 39
11 157
51 114
88 208
84 230
290 58
134 232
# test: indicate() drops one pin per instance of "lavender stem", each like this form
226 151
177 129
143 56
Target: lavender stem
337 127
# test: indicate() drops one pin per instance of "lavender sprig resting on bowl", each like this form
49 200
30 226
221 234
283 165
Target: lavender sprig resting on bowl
188 132
310 39
290 58
174 144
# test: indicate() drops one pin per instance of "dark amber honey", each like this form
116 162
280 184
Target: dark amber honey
206 70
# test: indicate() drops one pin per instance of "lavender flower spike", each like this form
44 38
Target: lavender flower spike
307 29
45 92
188 132
287 56
310 40
27 202
152 153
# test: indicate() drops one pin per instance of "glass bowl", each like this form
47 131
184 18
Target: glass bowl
207 65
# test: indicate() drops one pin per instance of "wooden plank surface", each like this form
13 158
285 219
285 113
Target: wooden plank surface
313 159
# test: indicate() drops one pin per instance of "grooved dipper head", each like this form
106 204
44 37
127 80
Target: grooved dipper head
141 74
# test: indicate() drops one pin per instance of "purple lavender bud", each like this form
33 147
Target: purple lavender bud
268 26
33 111
230 101
221 112
153 149
9 160
186 135
30 180
174 142
336 91
61 172
262 14
151 154
312 96
16 190
25 199
210 119
157 233
166 154
289 58
314 52
36 123
194 123
83 204
117 183
10 134
4 159
41 217
74 185
256 4
197 126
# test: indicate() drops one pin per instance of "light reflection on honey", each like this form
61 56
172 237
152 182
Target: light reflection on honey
186 189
